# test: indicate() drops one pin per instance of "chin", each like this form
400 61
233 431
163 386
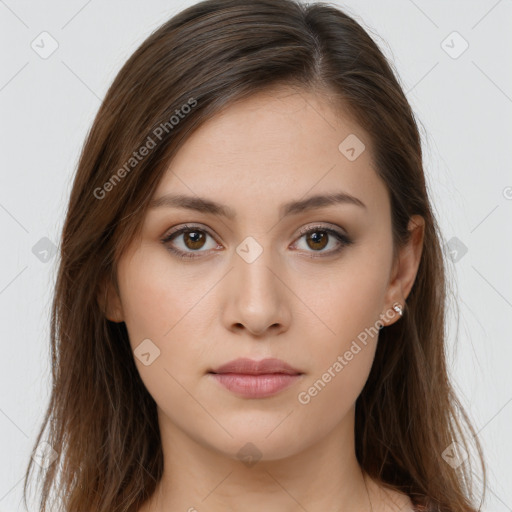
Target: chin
259 443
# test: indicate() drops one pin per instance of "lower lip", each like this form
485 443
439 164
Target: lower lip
255 386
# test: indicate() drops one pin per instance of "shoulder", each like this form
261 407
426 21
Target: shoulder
389 500
398 502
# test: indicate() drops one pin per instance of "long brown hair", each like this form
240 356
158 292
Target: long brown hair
101 421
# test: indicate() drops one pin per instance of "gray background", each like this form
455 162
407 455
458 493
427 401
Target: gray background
462 98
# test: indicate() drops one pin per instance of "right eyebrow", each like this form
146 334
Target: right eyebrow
193 203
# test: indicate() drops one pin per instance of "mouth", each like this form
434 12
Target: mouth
256 379
251 367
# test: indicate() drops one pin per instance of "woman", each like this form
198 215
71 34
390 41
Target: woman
250 306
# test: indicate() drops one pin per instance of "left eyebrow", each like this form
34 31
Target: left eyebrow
319 201
204 205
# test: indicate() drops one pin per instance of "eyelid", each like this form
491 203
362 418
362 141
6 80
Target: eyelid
185 227
324 227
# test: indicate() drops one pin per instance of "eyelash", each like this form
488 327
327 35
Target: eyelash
343 240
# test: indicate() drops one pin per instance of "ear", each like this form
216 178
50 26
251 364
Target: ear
405 268
109 301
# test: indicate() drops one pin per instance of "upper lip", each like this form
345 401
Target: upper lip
252 367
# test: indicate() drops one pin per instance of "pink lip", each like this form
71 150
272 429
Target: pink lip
251 367
256 379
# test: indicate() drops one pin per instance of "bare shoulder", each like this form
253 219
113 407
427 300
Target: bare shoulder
389 500
398 502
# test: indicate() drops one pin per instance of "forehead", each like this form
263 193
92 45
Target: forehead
275 146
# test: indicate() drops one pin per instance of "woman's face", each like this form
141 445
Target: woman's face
281 275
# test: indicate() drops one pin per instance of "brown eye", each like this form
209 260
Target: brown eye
193 239
317 240
190 242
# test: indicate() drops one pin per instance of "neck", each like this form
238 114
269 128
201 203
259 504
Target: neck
323 476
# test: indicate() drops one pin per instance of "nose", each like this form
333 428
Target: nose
256 298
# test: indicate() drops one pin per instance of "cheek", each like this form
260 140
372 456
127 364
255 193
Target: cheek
155 295
341 362
161 304
348 305
165 303
325 399
347 298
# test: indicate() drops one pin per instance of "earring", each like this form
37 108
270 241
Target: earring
398 308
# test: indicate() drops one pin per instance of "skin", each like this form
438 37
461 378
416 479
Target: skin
277 146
